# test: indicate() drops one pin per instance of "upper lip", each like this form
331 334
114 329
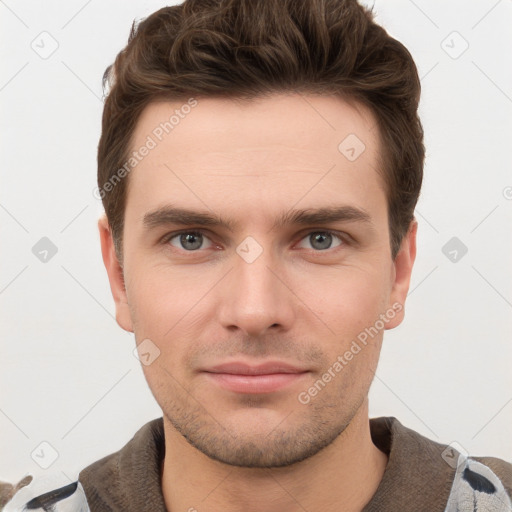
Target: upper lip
267 368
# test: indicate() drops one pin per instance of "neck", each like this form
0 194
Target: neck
348 471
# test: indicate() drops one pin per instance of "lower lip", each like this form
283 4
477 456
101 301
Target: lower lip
255 383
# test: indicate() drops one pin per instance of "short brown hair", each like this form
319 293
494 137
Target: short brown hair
252 48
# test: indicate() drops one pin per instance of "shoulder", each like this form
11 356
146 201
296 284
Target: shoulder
501 468
53 492
115 482
477 484
448 480
481 484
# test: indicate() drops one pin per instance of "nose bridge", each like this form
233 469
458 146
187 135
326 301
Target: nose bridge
255 298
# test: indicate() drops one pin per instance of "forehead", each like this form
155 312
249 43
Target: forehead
250 156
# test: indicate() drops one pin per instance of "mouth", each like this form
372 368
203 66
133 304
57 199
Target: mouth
267 377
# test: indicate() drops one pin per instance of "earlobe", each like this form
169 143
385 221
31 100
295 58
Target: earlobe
402 266
115 275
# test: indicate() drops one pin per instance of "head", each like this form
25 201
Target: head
259 166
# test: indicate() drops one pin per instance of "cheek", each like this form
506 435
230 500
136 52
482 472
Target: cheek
348 299
164 298
172 308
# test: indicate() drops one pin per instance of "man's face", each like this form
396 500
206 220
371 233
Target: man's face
262 291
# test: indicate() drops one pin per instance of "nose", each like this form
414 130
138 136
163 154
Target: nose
255 296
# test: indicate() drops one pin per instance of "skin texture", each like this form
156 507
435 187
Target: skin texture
303 300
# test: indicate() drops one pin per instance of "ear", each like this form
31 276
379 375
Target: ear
115 275
402 269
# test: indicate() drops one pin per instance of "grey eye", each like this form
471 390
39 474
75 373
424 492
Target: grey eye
189 241
322 240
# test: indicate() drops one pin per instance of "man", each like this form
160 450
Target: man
259 166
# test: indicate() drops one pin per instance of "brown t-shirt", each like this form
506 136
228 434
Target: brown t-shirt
421 475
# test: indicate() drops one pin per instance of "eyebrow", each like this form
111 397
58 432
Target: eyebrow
186 217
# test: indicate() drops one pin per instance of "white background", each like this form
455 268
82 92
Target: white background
68 375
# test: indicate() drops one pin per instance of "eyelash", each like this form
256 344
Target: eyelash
343 238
